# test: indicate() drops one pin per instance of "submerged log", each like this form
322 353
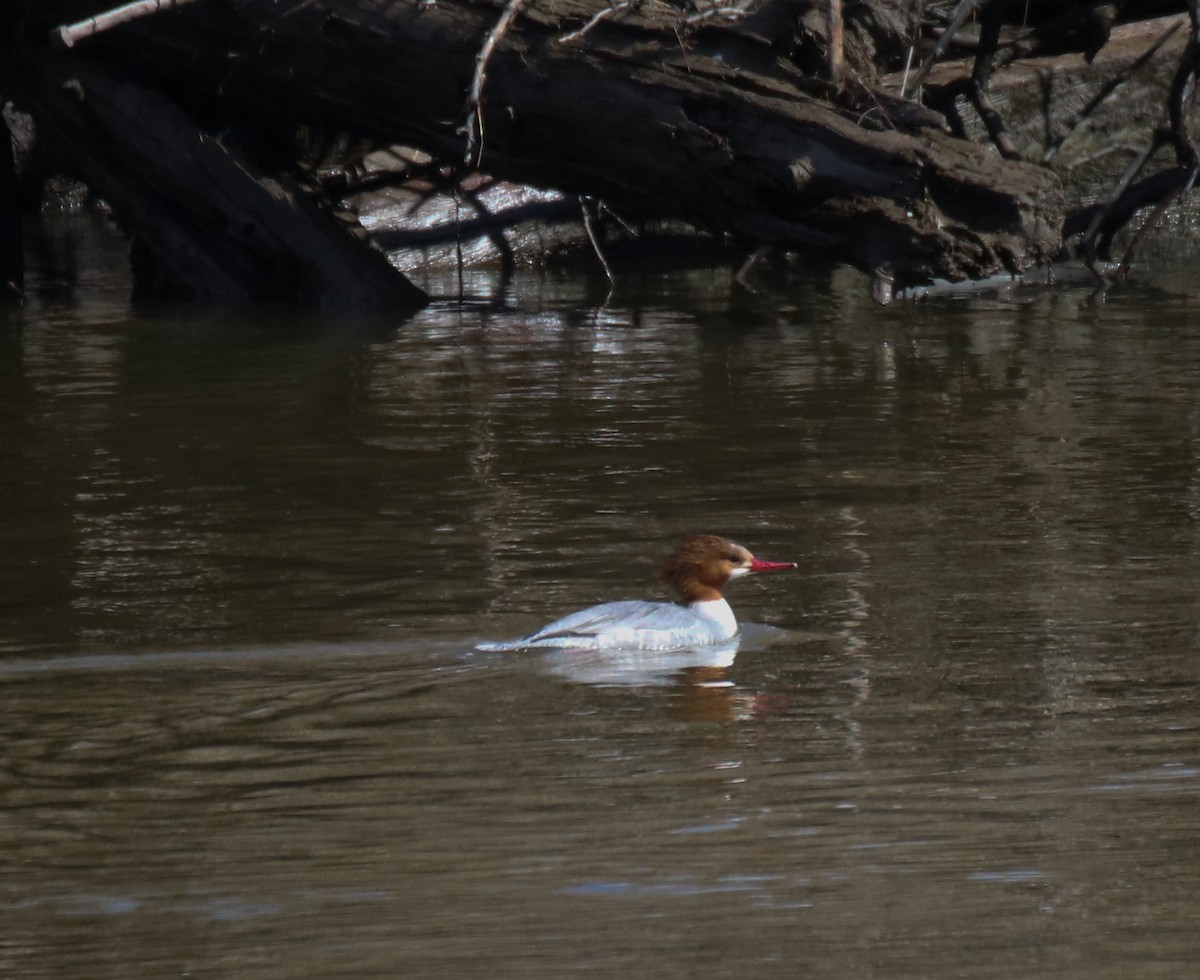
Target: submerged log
717 128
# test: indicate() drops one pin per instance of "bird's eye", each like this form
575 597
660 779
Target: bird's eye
734 559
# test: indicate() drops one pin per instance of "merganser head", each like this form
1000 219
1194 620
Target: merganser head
702 565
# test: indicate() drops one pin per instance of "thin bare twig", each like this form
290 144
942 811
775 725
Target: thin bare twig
878 106
474 109
734 11
589 225
68 35
629 229
608 12
961 13
741 277
907 67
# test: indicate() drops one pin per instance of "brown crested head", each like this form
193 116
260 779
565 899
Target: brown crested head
701 566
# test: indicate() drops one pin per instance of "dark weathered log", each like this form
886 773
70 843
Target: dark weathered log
697 125
205 225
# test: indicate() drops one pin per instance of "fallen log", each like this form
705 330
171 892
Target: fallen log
697 123
206 224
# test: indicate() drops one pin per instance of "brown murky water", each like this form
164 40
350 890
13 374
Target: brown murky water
243 564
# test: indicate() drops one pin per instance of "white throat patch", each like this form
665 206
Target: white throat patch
717 612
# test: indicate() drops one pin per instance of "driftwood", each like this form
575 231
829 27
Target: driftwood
765 121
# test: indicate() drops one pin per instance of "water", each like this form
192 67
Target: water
243 562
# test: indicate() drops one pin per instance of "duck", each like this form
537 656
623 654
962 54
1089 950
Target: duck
697 570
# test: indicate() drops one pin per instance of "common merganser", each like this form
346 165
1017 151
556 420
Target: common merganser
698 569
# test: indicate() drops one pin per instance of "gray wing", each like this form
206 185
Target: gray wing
585 625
